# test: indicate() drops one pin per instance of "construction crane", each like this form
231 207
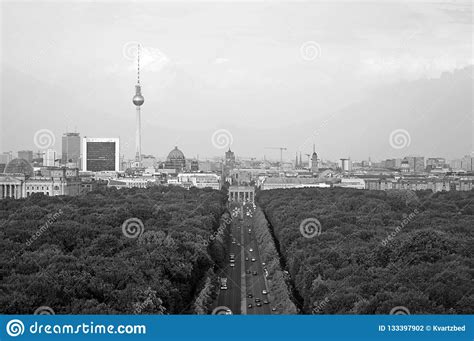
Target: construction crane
281 153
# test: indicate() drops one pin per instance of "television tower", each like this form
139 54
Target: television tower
138 101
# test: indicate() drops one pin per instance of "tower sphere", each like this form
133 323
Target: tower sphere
138 100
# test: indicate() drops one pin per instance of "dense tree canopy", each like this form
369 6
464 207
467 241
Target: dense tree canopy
80 261
377 250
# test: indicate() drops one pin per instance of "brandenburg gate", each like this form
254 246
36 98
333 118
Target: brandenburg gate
243 194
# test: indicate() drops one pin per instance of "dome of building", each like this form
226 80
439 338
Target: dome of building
19 166
175 154
176 160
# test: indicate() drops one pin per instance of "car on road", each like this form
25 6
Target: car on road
263 264
264 292
255 273
223 283
274 309
251 250
232 265
253 259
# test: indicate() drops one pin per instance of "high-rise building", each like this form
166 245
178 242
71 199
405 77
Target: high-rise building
345 165
405 166
138 100
435 162
6 157
229 159
391 163
100 154
314 161
26 155
49 158
71 150
467 163
194 165
416 163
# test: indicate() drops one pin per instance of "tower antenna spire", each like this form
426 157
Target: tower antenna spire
138 64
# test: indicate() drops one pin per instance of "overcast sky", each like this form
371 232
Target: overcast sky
269 73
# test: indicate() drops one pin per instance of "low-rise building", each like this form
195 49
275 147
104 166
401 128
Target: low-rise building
198 180
283 182
142 182
356 183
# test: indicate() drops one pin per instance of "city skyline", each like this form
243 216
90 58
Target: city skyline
249 87
287 158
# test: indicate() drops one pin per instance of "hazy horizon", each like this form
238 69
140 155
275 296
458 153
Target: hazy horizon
343 76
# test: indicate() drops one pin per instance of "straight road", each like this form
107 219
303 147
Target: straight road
241 280
255 284
231 297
